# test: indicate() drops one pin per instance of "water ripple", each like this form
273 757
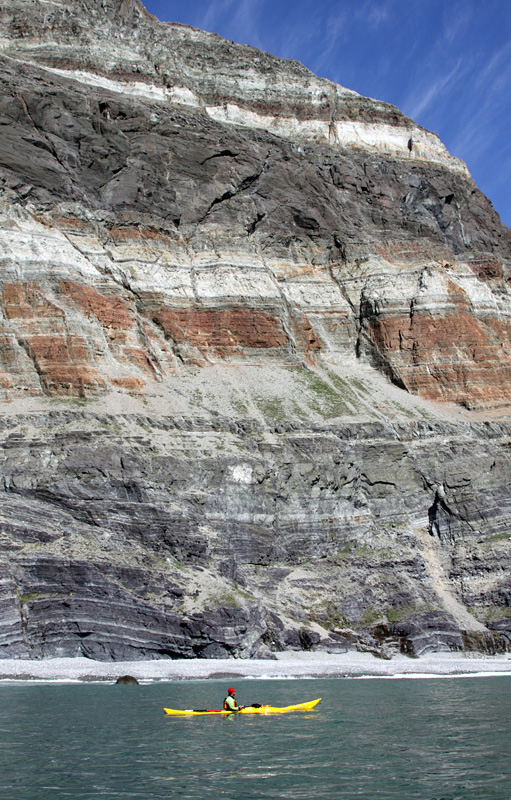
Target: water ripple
381 740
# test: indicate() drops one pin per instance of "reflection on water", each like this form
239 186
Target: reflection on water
401 740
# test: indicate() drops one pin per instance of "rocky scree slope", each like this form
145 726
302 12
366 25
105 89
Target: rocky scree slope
254 355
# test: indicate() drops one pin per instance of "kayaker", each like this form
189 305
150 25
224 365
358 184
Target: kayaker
230 703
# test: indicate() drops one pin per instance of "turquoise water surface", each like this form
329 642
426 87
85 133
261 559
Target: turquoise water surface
436 739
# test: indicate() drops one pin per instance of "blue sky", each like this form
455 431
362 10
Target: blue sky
445 63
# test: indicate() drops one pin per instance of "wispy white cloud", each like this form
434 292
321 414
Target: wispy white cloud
457 21
376 13
245 21
470 140
215 14
417 104
332 35
495 71
483 128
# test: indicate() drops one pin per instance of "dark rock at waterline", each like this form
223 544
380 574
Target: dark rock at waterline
127 680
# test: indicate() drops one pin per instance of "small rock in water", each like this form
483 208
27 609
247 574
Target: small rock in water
127 679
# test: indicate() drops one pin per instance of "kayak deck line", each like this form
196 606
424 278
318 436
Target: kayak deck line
247 710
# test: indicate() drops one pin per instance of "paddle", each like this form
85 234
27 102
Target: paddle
206 710
217 710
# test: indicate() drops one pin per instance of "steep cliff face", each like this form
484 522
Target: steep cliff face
255 355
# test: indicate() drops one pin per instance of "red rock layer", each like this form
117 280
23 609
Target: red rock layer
451 356
222 332
69 334
306 338
61 347
62 358
110 310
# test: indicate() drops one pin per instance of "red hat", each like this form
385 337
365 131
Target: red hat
230 691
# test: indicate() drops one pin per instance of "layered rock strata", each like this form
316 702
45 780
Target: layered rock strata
262 287
179 536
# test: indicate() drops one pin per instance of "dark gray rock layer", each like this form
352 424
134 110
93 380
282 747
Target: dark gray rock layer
122 546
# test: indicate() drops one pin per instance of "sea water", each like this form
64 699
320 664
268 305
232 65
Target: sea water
430 739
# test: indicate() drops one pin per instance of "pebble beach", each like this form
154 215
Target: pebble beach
288 665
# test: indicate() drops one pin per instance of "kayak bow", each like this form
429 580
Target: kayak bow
248 710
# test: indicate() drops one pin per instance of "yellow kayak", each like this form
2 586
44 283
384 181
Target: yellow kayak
256 709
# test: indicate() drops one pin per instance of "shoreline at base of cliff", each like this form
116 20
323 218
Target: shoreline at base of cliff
286 666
